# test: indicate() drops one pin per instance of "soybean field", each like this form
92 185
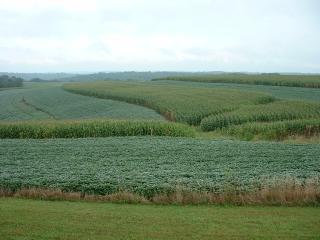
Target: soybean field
49 101
148 165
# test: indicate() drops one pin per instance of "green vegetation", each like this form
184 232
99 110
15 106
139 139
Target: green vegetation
208 107
309 81
275 111
149 165
32 219
275 130
129 75
177 103
49 101
280 92
44 76
8 82
92 128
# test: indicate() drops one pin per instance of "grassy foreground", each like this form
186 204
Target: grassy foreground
34 219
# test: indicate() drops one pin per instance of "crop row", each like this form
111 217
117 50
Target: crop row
309 81
49 101
279 92
275 111
92 128
177 103
275 130
149 165
7 82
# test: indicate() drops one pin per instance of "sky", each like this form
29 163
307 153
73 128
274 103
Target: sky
160 35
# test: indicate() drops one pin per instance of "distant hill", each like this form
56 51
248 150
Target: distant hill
74 77
144 76
128 75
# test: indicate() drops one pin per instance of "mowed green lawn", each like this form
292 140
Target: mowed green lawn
36 219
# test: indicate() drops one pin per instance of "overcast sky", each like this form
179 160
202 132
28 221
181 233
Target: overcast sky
187 35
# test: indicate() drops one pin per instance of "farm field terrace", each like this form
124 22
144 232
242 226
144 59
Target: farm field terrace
36 101
280 92
34 219
211 108
149 165
309 81
179 103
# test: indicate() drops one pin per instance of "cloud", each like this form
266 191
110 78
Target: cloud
241 35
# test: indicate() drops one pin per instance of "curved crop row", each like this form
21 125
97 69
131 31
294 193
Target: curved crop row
275 130
48 101
177 103
92 128
309 81
275 111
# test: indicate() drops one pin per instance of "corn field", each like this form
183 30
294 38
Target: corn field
275 130
212 109
275 111
92 128
176 103
309 81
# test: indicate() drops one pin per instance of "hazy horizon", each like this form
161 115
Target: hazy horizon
139 35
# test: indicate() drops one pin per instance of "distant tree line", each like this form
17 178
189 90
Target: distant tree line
6 81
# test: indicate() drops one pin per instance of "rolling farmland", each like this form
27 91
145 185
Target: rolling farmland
149 120
92 128
114 145
208 107
178 103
